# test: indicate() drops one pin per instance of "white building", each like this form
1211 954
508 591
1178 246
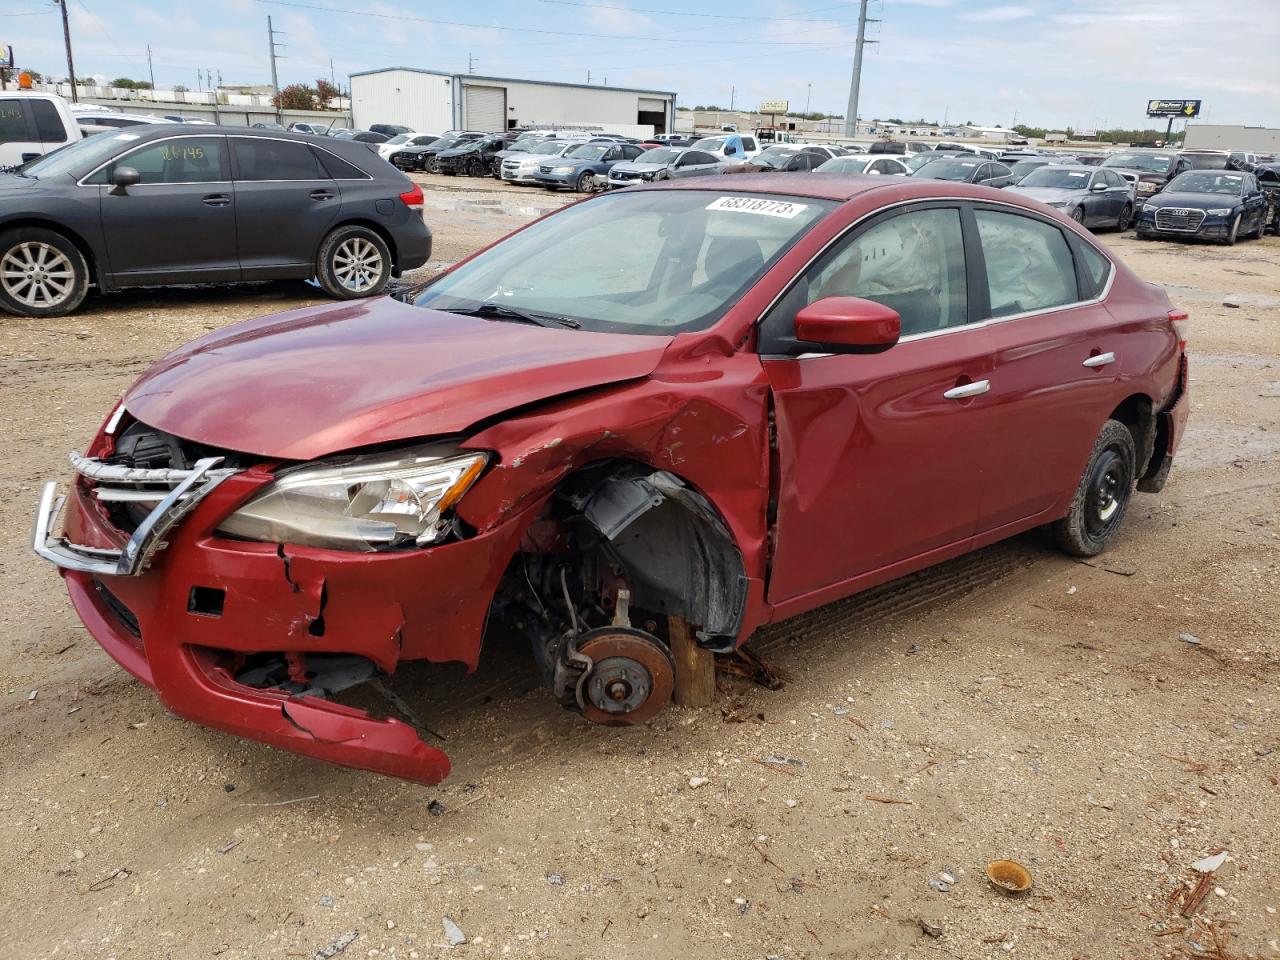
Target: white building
431 101
1224 136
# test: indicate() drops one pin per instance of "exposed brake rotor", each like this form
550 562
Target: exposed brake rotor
631 679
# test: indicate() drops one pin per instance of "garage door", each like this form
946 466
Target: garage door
486 109
649 105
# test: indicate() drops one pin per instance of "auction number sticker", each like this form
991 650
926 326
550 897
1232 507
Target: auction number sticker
765 208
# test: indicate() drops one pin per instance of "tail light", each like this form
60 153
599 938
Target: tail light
1179 319
413 200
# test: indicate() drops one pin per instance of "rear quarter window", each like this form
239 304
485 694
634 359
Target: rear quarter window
339 169
1029 265
266 159
1095 273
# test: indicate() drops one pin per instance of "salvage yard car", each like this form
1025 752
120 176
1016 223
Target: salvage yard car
1206 205
1091 196
681 408
1148 171
967 169
663 163
585 167
164 204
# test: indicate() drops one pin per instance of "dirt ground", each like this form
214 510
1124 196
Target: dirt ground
1011 704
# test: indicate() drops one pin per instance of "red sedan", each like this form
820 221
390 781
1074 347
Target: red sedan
697 405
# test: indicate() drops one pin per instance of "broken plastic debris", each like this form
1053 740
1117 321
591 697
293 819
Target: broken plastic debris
1210 864
1190 638
453 933
1009 876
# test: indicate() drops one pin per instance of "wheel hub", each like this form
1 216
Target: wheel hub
631 679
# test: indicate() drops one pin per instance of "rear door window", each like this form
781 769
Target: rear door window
13 122
261 158
49 126
1029 265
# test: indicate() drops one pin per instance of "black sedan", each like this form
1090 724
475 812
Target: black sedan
170 205
424 158
472 157
987 173
1206 205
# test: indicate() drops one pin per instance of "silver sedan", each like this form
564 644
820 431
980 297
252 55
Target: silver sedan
664 163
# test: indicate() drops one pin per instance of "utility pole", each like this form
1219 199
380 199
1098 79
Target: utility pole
271 41
851 115
732 91
471 64
71 67
150 69
588 78
808 91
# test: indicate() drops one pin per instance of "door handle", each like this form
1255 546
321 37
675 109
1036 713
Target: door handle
216 200
968 390
1100 360
321 195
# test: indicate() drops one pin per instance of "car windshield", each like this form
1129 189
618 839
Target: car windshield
712 144
658 155
590 151
1056 177
550 147
1146 162
774 160
81 155
1023 167
1196 181
653 262
844 165
1208 161
918 161
520 146
948 169
399 138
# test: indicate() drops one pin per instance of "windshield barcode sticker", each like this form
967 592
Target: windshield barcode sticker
768 208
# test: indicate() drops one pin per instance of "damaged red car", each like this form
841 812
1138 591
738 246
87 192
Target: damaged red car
699 404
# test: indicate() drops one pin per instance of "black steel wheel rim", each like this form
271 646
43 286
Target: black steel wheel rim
1106 492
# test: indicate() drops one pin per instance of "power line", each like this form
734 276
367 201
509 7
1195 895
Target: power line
707 16
558 33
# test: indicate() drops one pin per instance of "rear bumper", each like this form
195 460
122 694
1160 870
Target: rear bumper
413 242
1171 423
281 599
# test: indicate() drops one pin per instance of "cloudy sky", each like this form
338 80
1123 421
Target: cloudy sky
1046 62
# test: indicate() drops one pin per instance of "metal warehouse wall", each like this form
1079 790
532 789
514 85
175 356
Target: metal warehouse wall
421 101
617 111
1222 136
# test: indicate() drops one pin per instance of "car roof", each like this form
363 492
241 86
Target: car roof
835 186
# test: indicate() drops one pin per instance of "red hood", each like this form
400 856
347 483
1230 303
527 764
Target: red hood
303 384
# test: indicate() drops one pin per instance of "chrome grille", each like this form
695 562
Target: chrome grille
1179 219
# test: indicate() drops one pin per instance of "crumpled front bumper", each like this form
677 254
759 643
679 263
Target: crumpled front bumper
422 604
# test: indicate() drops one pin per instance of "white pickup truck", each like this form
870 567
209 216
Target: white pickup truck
31 125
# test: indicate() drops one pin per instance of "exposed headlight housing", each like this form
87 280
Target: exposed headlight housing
361 503
1145 187
647 176
1220 212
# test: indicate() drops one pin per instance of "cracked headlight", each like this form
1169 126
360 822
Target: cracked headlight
362 503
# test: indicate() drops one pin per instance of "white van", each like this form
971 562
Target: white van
31 125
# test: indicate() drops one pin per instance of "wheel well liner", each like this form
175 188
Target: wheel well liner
1138 414
678 552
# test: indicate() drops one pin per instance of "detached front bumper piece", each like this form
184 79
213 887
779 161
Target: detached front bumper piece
184 609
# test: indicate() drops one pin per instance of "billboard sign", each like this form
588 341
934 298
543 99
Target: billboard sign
6 56
774 106
1173 108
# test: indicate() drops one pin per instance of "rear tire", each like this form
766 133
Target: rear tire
42 273
1103 495
353 262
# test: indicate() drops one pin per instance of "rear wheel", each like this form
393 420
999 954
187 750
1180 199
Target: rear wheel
1126 215
42 273
353 262
1103 494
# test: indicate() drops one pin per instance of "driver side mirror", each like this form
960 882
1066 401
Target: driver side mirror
1099 187
122 178
848 325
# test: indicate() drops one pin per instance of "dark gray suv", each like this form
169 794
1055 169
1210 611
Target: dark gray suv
170 204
